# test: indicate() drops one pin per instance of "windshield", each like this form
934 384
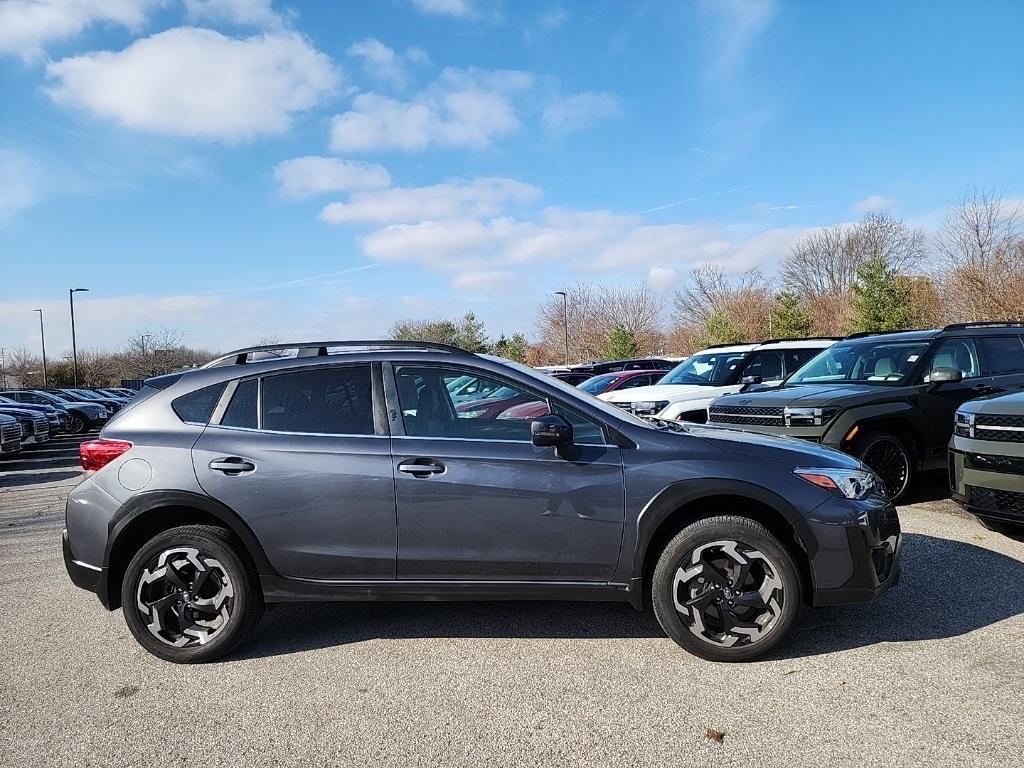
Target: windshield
709 369
85 394
595 385
865 362
57 396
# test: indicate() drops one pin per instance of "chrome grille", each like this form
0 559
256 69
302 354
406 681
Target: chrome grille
1004 429
746 414
10 437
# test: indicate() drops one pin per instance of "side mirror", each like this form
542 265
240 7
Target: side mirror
749 381
555 431
941 376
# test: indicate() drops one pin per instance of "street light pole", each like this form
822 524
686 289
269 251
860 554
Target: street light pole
3 367
565 321
42 341
74 345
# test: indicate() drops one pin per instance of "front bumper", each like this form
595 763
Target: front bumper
82 575
856 563
986 483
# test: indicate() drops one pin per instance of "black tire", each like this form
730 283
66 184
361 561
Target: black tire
230 574
876 449
77 425
768 562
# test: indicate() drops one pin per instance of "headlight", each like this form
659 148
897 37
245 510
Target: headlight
851 483
808 417
963 424
649 406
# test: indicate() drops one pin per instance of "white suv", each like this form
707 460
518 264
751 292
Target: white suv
685 391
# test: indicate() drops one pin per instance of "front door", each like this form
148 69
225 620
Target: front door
477 500
299 457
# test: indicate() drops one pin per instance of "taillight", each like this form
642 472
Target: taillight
96 454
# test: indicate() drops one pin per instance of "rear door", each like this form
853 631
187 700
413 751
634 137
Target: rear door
304 457
478 501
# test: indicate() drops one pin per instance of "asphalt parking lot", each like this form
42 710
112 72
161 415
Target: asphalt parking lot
930 674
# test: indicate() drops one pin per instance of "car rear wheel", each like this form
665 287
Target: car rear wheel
725 589
889 458
188 595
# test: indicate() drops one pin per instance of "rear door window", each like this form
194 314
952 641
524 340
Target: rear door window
241 411
1003 354
335 400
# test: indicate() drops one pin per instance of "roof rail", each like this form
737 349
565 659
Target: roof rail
985 324
863 334
730 344
801 338
319 349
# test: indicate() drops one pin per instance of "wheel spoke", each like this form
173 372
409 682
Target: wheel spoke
701 601
163 603
200 580
713 574
174 576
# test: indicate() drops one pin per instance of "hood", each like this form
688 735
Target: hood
674 393
813 394
784 450
20 413
1002 404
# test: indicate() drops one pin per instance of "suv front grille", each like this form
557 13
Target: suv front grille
746 414
41 428
10 437
1005 429
1003 503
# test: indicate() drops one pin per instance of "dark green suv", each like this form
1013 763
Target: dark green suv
887 398
986 462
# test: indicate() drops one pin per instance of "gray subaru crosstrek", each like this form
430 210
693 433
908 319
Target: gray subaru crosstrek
345 471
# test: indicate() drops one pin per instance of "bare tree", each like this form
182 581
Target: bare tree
980 258
711 296
823 264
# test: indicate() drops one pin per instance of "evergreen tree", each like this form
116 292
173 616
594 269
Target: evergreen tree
471 335
882 298
789 318
512 348
621 344
719 329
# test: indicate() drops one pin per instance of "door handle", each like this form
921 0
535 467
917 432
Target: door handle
232 465
424 469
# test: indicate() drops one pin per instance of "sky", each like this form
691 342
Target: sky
242 169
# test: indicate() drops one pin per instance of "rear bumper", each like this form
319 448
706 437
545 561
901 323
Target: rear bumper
82 575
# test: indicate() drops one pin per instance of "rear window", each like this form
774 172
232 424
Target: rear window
197 407
1003 354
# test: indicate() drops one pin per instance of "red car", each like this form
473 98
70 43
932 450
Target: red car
609 382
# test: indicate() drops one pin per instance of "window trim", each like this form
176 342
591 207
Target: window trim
394 407
379 429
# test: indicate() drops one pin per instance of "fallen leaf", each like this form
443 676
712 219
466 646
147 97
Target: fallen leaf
717 736
125 691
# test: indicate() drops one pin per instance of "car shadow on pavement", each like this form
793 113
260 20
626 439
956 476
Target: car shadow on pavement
948 588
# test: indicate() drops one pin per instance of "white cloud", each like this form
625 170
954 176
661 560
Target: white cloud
455 199
662 278
487 281
311 175
464 108
737 26
872 203
554 17
20 183
257 13
384 64
580 110
27 26
458 8
198 83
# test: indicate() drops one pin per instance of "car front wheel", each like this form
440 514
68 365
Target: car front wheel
890 458
77 425
726 589
188 596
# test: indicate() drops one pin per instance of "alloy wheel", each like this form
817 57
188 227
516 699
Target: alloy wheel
727 593
77 425
889 461
184 597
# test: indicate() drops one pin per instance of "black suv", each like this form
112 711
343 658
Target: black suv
346 472
887 398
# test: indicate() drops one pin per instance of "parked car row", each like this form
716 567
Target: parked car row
34 416
888 398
